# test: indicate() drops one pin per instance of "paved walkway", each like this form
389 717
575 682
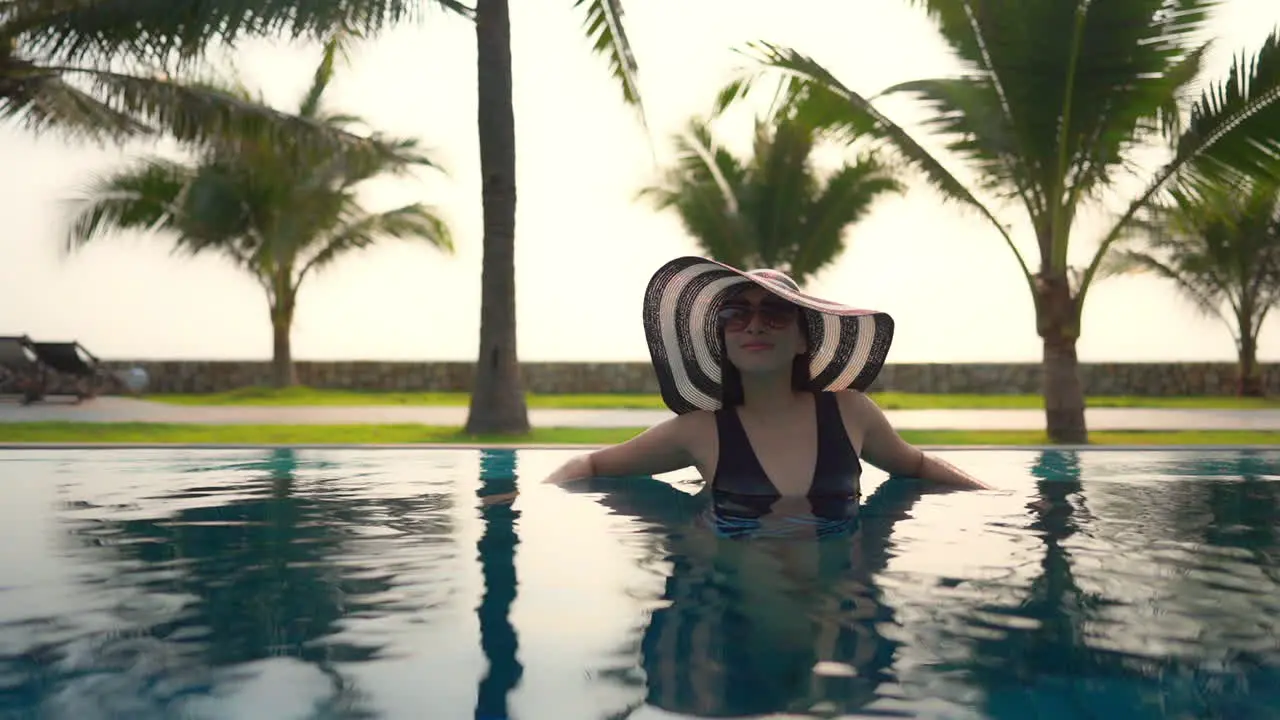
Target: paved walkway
118 409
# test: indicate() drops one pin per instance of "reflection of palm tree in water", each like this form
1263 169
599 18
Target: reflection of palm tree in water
1243 515
265 573
496 554
1056 599
1055 645
1057 656
1244 512
761 626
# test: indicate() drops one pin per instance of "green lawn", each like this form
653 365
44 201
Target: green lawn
888 400
67 432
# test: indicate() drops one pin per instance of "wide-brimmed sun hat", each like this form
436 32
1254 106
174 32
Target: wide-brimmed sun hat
848 345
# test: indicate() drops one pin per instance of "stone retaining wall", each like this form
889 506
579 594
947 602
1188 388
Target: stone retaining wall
586 377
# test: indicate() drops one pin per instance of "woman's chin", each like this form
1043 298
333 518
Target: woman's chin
762 364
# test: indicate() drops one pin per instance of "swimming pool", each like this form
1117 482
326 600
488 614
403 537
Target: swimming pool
325 583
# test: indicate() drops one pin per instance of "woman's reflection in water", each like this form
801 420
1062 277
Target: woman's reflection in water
775 613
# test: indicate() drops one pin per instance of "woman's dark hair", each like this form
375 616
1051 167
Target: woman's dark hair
731 394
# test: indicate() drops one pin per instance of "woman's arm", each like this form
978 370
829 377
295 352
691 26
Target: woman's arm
883 447
660 449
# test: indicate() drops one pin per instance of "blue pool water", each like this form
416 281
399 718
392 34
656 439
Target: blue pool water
282 584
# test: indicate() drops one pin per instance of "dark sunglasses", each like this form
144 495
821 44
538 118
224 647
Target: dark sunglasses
735 317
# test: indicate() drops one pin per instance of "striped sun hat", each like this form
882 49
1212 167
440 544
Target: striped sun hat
848 346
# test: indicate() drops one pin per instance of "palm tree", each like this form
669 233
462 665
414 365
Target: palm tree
1221 248
94 71
104 28
278 214
1055 98
497 398
773 209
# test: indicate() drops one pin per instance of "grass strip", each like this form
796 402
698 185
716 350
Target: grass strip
301 396
193 434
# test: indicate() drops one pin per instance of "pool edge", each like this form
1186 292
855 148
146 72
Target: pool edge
559 446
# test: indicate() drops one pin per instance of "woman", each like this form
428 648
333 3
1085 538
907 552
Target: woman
767 385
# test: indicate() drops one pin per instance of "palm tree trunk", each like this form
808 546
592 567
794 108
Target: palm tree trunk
1250 380
497 398
1063 392
282 371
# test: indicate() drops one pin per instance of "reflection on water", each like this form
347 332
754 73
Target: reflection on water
765 625
327 584
496 554
189 588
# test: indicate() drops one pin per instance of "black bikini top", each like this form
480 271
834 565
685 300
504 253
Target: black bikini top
742 489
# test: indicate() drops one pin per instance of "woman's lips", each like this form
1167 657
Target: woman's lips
756 346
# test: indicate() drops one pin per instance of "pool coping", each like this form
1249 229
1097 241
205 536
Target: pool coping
561 446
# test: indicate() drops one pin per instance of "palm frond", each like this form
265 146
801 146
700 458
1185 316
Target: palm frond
846 199
702 213
155 30
732 92
704 187
40 101
783 181
144 196
1233 133
1206 299
608 37
410 222
699 160
1083 93
955 23
1235 124
196 112
774 209
811 77
967 111
335 50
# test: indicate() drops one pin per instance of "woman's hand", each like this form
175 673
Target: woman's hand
577 468
944 473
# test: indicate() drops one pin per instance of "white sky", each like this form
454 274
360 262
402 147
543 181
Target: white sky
585 248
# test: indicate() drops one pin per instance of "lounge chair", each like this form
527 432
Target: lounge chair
72 360
21 370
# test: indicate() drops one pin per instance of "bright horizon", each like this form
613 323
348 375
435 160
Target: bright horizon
585 247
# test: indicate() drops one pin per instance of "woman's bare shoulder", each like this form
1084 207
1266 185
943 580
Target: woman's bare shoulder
697 419
697 430
696 426
857 404
858 411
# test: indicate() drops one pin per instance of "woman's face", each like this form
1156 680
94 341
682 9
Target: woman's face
762 332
